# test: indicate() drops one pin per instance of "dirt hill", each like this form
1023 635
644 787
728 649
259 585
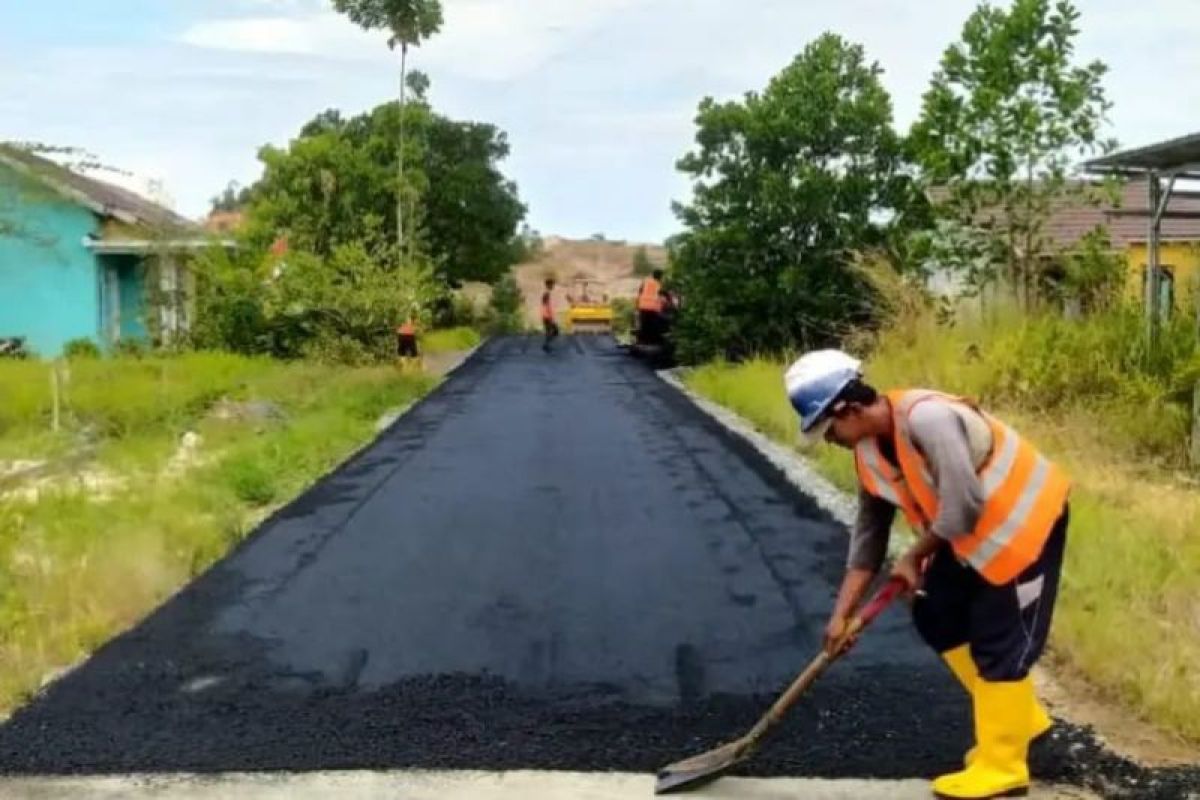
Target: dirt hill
608 265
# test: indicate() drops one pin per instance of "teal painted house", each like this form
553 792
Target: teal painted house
83 259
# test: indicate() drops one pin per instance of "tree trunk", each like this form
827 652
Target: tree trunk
400 155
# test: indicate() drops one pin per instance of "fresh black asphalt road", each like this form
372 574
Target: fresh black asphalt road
553 562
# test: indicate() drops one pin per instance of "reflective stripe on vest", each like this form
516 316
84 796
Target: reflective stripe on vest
649 299
1024 492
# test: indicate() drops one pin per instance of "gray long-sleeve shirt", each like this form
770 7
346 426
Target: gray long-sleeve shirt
955 442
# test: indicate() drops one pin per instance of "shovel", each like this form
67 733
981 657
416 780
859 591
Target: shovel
707 767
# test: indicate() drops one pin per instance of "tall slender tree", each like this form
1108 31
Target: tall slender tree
409 22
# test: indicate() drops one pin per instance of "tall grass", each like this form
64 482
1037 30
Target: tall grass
1087 394
450 339
75 568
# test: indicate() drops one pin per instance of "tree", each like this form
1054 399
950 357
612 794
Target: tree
233 198
787 183
333 185
642 265
409 22
1006 114
505 307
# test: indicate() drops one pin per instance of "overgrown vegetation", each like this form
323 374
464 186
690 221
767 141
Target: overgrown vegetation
1088 394
157 515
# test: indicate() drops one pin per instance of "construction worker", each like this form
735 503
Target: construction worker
549 325
406 340
991 516
650 309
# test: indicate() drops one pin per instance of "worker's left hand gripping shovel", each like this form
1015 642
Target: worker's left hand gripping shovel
706 767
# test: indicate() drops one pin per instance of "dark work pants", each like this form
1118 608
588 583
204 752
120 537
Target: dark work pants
550 327
1006 626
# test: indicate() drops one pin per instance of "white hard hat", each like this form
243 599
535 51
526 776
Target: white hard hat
815 381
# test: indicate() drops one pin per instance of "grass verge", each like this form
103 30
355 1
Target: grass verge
1129 614
450 340
78 565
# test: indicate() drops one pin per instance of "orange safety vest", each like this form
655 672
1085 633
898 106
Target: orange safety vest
409 328
649 299
1024 492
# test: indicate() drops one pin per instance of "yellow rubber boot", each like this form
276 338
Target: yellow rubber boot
1003 719
963 666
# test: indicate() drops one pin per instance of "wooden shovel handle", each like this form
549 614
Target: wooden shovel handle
882 599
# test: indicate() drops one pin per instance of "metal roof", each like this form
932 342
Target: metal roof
1177 156
102 198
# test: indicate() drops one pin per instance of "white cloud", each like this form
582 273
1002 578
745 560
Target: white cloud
492 40
597 96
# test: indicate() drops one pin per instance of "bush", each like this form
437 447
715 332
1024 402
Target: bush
623 315
504 311
131 348
81 348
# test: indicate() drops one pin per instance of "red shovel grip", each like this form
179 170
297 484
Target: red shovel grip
882 599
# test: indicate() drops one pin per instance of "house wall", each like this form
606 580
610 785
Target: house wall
49 286
1184 260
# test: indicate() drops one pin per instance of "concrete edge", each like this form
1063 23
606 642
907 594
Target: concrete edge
435 785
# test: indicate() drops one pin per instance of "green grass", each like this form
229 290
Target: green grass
75 569
450 340
1129 614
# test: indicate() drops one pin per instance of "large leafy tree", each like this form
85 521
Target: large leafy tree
408 23
1007 113
333 186
787 183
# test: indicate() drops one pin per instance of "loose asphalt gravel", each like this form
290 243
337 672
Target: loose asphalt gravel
553 562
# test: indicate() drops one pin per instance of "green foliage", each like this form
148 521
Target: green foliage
337 184
409 22
642 265
235 197
1006 115
506 296
341 309
624 315
505 307
786 183
131 348
450 340
81 348
1094 272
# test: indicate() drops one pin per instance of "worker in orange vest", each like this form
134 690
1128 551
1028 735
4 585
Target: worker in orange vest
406 339
549 325
991 516
650 306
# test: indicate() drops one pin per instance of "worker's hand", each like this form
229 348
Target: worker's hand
908 569
834 632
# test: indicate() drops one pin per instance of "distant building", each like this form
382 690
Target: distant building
83 259
1127 223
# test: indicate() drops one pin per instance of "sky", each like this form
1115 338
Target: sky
598 97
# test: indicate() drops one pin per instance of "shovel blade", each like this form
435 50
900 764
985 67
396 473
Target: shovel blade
697 771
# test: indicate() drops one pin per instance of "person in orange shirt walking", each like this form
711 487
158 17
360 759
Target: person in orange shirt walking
406 340
549 325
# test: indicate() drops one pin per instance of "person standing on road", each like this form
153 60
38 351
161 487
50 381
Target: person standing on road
549 325
991 516
650 308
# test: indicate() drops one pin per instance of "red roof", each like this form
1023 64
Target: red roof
1074 217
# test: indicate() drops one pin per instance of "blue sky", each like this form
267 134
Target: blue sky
597 96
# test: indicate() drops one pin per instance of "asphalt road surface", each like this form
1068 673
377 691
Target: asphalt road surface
553 562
